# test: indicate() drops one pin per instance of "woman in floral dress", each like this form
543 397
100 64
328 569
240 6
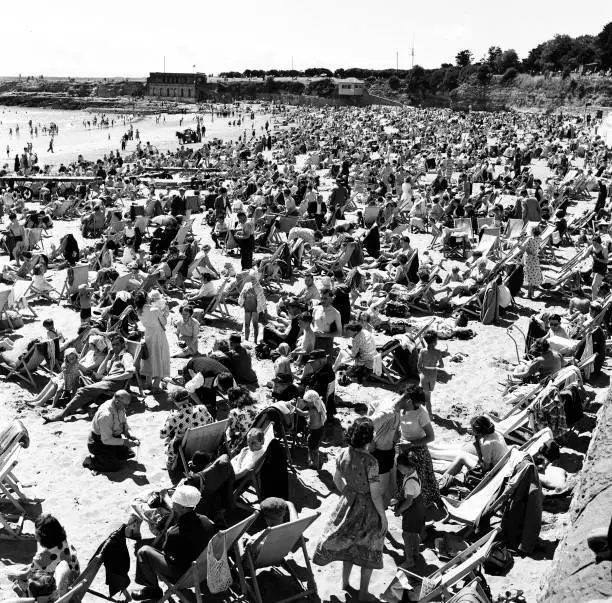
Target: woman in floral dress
531 262
356 530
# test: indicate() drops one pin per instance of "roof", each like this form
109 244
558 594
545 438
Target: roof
347 80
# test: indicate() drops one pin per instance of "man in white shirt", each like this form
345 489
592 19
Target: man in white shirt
326 323
110 441
112 375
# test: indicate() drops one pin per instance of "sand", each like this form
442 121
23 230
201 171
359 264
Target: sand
89 506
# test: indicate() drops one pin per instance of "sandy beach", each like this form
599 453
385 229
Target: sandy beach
90 505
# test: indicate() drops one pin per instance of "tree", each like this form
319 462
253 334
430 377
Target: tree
483 75
464 58
416 79
509 75
603 45
394 82
507 60
493 55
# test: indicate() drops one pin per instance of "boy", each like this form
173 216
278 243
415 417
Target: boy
410 506
84 295
430 359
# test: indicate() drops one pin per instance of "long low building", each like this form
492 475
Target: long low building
179 87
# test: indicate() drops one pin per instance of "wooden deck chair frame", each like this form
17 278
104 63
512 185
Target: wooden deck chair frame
195 576
463 566
205 438
218 303
80 276
271 548
11 524
416 302
340 262
488 244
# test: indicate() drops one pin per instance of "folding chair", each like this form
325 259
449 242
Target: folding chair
218 303
463 566
466 225
252 479
370 215
195 576
135 349
31 361
271 548
75 276
484 222
121 284
206 438
286 223
11 524
82 585
514 229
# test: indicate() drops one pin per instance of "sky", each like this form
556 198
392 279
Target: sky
130 38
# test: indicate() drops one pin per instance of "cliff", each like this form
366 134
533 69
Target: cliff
574 575
535 92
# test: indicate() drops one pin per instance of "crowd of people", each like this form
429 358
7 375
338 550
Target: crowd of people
350 242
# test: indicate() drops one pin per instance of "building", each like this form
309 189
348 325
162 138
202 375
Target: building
178 87
350 86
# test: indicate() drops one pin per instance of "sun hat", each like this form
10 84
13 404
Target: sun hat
186 496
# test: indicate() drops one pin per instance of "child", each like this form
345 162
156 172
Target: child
253 301
66 384
410 506
247 458
282 365
317 415
430 359
84 295
220 230
39 283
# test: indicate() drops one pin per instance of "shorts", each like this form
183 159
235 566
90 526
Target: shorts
413 519
385 458
427 383
314 438
85 313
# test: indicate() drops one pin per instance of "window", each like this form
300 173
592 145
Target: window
189 92
167 91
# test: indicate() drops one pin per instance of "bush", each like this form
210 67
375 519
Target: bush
394 82
483 75
509 75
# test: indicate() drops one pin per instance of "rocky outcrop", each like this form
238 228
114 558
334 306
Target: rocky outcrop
574 575
546 93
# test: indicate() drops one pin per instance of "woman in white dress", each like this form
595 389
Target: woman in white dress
153 315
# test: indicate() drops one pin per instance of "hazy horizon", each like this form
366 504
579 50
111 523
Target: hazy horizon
123 39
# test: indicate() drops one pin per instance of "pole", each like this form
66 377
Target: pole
396 60
164 63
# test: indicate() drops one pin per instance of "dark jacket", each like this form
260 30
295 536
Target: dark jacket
187 539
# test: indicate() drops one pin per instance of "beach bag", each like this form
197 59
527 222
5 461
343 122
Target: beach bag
499 561
218 574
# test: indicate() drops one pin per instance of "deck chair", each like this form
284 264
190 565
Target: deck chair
484 222
463 566
206 438
286 223
11 524
556 283
82 585
370 215
149 282
489 243
30 362
75 276
340 262
416 301
252 479
466 225
514 229
195 576
35 240
15 300
121 284
218 304
271 548
488 496
135 349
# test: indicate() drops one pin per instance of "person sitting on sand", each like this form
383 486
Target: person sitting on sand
64 385
115 370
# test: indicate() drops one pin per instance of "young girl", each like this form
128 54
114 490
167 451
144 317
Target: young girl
430 359
247 458
409 505
66 384
317 415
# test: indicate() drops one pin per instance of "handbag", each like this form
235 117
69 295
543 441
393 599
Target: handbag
218 574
